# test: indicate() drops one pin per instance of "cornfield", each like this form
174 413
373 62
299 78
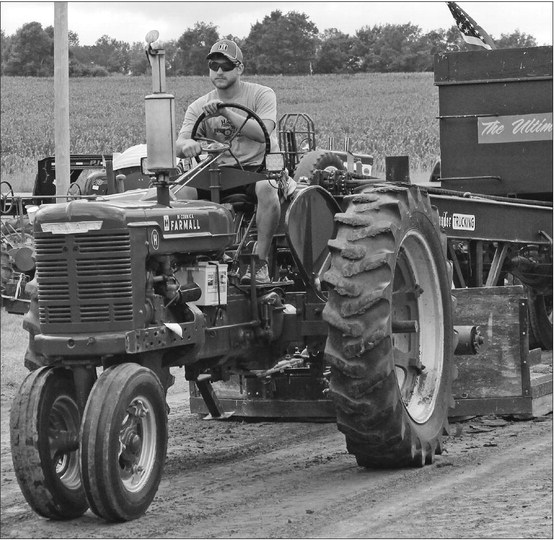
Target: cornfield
382 114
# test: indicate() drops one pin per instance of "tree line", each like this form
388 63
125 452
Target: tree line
287 44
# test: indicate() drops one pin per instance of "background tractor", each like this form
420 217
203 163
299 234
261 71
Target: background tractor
360 323
91 175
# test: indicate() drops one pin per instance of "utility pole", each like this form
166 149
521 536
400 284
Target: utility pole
61 98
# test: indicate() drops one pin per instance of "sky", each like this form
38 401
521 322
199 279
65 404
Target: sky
130 21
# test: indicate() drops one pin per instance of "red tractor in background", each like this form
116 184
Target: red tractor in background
361 321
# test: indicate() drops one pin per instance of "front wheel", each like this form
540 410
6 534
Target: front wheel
123 442
390 328
44 433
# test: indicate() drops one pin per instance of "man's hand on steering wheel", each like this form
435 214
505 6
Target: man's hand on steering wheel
190 148
213 108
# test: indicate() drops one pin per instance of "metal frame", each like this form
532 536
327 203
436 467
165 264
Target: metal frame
291 137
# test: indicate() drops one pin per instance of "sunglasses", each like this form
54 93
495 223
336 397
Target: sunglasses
225 65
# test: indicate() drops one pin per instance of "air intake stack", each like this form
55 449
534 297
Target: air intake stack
160 121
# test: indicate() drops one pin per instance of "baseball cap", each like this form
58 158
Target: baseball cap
227 48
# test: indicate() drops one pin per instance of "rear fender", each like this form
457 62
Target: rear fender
309 225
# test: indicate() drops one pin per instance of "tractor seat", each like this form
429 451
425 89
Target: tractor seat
240 202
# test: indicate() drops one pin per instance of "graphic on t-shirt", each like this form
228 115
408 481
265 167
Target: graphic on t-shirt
227 130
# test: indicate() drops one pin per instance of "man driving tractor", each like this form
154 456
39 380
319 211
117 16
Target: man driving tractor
225 62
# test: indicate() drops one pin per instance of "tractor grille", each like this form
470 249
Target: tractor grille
84 279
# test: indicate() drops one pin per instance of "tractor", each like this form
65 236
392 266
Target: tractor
360 322
91 175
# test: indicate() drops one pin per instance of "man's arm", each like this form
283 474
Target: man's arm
185 146
266 109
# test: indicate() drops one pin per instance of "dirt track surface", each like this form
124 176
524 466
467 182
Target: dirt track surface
292 480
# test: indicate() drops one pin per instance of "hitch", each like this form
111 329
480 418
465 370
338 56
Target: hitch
297 360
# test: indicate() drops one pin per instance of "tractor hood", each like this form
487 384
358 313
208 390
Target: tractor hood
202 225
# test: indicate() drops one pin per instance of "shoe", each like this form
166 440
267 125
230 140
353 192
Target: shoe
262 274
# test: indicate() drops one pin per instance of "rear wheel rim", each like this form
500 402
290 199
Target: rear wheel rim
419 354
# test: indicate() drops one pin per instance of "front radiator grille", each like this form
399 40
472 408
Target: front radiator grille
84 278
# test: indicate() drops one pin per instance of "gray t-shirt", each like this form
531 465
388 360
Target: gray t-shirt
258 98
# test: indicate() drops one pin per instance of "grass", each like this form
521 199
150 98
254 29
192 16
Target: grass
383 114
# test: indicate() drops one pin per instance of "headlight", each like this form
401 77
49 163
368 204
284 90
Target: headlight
274 162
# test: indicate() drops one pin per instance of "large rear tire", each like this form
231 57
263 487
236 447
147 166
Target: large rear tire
390 328
44 432
123 442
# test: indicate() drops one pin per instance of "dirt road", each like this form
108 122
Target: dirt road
281 480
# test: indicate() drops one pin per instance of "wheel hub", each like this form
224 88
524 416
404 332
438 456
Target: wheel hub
63 440
136 444
130 437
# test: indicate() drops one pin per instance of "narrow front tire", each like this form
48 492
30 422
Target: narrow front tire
124 442
44 433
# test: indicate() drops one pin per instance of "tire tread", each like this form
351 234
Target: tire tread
370 411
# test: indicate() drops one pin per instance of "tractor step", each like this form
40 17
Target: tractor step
210 399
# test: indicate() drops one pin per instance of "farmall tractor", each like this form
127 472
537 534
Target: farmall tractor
376 284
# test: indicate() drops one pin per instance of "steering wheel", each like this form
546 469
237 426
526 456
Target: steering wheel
249 114
7 192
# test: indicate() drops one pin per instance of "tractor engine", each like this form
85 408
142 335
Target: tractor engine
114 270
